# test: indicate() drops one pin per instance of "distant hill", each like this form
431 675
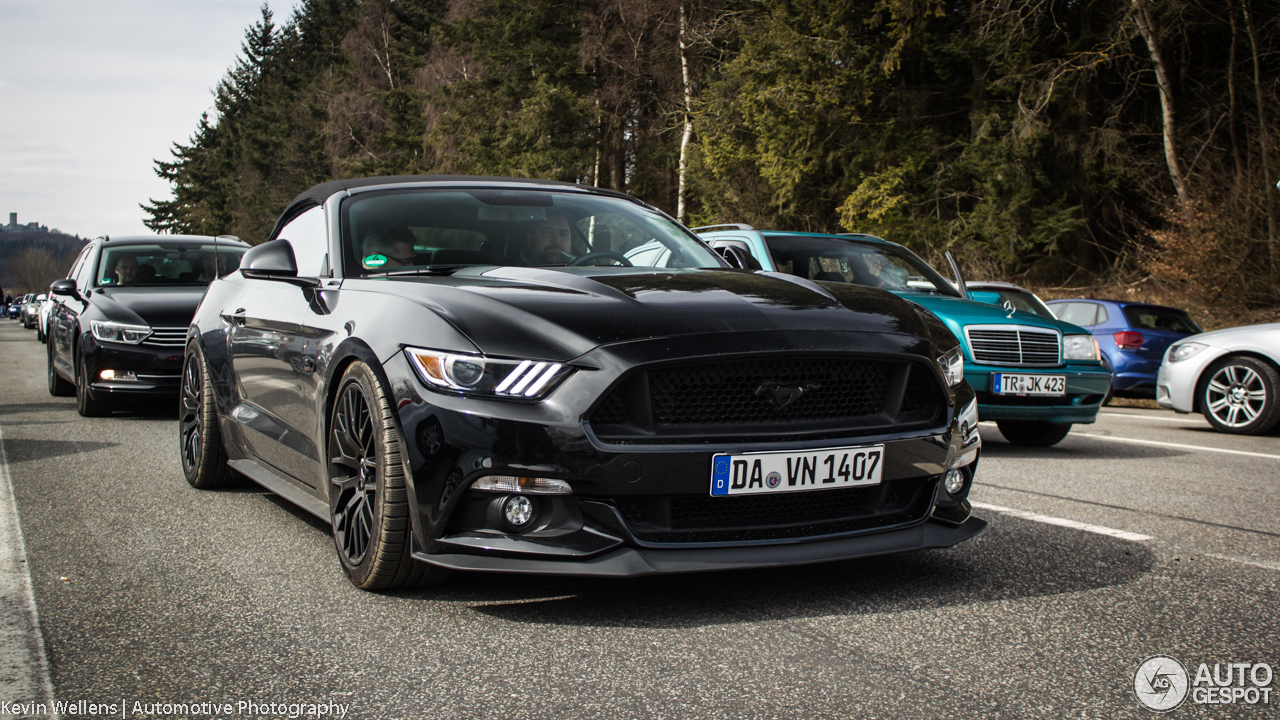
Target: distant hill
62 249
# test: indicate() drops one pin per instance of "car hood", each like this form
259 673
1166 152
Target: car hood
154 306
1265 338
957 313
566 313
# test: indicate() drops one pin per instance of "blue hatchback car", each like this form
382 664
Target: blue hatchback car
1034 376
1132 337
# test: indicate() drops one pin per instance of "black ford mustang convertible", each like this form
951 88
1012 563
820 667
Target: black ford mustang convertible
526 376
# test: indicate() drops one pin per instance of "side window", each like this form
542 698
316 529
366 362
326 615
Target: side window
1102 315
309 235
84 271
1082 314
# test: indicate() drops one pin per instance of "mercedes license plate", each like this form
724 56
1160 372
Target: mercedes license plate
779 472
1011 384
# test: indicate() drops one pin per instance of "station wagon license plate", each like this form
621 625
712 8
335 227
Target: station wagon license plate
779 472
1010 384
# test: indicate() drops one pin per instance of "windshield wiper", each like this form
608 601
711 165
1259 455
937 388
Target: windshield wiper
428 270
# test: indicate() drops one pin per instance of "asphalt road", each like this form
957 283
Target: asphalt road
148 591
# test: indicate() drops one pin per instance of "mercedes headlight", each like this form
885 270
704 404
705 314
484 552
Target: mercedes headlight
119 332
952 364
475 374
1079 347
1182 351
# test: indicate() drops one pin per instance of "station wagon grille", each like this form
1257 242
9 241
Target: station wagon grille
170 337
743 397
1002 345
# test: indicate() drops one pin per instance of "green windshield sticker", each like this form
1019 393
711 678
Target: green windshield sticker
373 262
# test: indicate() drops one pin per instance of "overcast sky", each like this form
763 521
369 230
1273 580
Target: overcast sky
93 91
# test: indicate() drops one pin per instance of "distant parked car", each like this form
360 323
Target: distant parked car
21 305
12 310
1132 336
42 317
1231 376
1033 374
31 310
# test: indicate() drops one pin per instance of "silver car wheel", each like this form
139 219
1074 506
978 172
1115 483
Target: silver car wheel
1236 395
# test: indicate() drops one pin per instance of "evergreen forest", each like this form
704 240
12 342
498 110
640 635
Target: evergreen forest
1051 141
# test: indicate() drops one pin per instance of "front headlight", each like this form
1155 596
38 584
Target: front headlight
952 364
119 332
475 374
1079 347
1182 351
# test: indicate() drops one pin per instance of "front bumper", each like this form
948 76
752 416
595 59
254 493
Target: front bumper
640 509
158 369
1086 388
1176 382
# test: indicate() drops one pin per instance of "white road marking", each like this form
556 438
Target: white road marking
1185 421
1179 446
1049 520
24 668
1256 563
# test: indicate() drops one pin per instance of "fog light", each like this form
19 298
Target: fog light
118 375
517 510
953 483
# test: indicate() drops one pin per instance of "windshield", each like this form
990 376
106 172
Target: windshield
165 264
413 231
834 259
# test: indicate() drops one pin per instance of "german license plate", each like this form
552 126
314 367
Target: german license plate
1011 384
780 472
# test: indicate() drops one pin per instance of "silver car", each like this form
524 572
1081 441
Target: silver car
1231 376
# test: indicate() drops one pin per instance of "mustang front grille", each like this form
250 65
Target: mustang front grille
768 396
1014 345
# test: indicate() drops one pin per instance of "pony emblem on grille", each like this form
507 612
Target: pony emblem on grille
784 395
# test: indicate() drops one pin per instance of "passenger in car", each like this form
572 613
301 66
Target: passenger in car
395 244
549 242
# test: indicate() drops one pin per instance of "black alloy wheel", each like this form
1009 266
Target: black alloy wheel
1240 395
58 387
1033 433
204 460
368 501
85 405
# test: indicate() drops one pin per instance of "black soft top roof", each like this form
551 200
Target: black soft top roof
318 194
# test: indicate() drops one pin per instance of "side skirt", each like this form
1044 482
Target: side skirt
290 490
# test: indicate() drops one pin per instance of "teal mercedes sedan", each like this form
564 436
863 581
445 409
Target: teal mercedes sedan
1034 376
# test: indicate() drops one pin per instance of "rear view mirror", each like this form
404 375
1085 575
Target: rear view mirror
64 287
274 261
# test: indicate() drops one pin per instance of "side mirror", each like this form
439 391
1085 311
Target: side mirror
982 296
64 287
274 261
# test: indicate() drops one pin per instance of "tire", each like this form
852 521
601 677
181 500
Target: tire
1240 395
1033 433
204 459
1111 391
57 386
368 501
85 405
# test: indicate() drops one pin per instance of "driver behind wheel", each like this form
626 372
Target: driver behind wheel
548 242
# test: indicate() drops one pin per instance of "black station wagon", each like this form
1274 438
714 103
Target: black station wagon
525 376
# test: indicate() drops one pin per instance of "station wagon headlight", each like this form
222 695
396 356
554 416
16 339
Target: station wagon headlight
1182 351
952 364
119 332
496 377
1079 347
